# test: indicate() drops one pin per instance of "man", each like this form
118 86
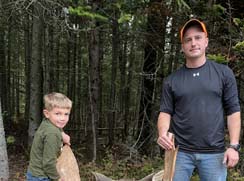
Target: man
193 103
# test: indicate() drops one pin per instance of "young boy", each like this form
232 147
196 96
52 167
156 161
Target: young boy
49 138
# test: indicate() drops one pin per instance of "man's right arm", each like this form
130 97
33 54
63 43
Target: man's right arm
164 137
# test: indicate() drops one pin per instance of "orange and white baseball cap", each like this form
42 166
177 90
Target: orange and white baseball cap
190 23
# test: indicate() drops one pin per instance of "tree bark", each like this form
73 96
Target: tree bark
115 53
47 65
154 44
79 98
3 68
8 73
28 50
35 111
18 79
128 89
4 169
94 86
94 81
123 75
172 45
71 57
53 65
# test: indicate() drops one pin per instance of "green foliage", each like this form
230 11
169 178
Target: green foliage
118 4
239 46
128 169
216 12
124 18
235 175
124 168
238 22
195 178
218 58
218 9
85 11
182 5
10 140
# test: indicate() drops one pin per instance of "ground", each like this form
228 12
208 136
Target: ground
17 164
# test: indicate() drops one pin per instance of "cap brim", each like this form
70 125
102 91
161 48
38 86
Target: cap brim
190 23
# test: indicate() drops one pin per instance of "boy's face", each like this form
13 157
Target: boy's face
58 116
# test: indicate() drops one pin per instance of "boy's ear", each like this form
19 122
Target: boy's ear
45 112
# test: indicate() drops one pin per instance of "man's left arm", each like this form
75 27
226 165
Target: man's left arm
231 157
234 127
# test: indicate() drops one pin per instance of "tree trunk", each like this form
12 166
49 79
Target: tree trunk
94 86
74 75
127 97
71 57
27 38
94 81
35 111
15 102
112 102
18 79
53 82
47 66
172 45
8 71
3 68
51 65
154 41
122 97
4 170
57 58
79 98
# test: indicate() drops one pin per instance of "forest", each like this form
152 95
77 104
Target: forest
110 57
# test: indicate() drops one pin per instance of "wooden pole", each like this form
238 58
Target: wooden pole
169 163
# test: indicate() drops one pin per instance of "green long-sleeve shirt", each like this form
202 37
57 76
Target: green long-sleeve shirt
45 149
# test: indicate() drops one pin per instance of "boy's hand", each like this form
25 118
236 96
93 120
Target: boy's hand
66 138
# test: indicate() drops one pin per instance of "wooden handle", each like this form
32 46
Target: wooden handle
169 163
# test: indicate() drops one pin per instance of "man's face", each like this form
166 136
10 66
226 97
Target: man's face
58 116
194 43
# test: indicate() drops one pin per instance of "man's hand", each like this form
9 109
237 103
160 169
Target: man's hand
231 158
66 138
166 141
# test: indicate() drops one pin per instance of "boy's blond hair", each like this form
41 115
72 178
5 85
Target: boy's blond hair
58 100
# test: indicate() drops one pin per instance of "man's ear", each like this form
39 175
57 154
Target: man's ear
206 42
182 49
46 113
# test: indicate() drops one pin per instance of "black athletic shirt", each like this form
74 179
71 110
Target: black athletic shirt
197 99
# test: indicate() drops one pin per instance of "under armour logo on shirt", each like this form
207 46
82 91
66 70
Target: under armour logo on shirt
196 74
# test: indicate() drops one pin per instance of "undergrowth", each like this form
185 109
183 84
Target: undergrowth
125 168
135 169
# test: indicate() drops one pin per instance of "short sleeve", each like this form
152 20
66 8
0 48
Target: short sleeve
230 93
167 101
